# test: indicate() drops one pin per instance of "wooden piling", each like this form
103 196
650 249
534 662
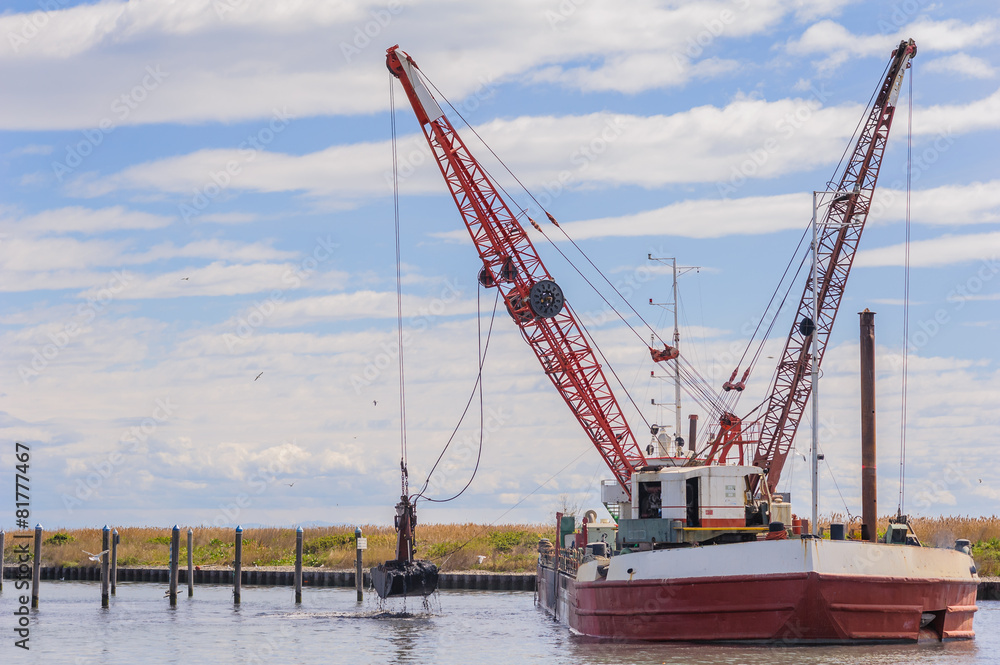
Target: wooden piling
190 544
298 565
238 565
37 562
3 537
175 553
105 549
115 539
359 575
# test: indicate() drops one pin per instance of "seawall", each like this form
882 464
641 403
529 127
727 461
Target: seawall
253 576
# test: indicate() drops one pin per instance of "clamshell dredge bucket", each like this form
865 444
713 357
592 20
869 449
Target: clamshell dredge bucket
404 576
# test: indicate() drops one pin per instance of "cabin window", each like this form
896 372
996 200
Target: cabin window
650 502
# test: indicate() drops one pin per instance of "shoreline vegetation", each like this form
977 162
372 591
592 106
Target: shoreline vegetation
506 548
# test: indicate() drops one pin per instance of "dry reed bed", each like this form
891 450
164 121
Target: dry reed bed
503 548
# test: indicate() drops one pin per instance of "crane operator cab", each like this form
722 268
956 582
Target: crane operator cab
682 506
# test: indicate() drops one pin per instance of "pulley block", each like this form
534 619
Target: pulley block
515 307
546 299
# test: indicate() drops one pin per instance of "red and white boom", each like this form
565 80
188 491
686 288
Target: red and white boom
837 244
511 264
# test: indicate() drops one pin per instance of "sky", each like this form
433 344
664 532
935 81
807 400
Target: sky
197 246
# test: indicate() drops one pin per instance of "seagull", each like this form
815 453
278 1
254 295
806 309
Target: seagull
96 557
185 278
258 376
374 402
290 484
481 558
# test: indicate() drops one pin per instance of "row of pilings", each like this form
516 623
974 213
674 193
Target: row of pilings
255 577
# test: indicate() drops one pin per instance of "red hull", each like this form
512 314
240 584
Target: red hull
790 608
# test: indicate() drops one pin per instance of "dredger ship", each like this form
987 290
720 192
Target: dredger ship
701 546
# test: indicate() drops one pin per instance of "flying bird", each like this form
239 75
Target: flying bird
290 484
258 376
374 402
185 278
96 557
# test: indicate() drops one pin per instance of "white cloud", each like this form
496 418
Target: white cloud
30 149
233 65
29 253
963 65
945 250
36 255
746 139
810 10
550 153
218 279
366 305
77 219
949 205
839 44
705 218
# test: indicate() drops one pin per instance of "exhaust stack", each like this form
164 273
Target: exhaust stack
869 487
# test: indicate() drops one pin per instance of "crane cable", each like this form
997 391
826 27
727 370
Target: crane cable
906 297
478 385
399 296
447 555
712 404
830 184
399 324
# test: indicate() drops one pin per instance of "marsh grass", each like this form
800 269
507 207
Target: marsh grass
503 548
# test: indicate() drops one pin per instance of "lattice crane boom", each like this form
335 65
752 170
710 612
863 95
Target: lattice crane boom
532 297
837 243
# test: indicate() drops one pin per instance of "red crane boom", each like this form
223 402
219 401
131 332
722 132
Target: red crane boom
534 300
837 244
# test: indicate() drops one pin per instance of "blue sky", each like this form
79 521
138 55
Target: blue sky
198 192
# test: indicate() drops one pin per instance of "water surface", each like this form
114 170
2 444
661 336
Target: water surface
455 627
